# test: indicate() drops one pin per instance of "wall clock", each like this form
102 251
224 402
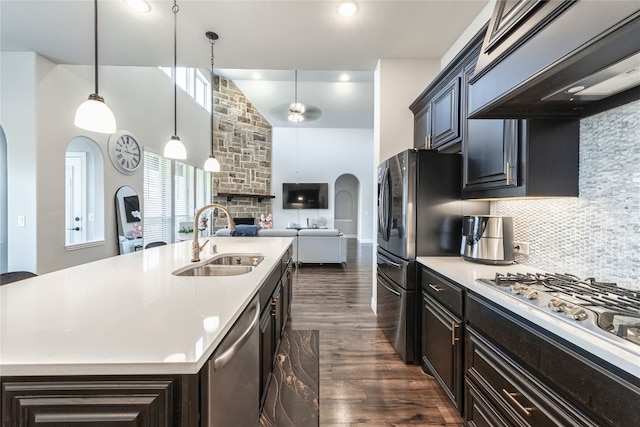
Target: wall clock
125 152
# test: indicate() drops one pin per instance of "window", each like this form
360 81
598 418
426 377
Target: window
84 194
157 212
193 82
204 185
184 194
171 197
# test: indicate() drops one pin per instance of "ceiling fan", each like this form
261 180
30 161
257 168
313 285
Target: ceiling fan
297 112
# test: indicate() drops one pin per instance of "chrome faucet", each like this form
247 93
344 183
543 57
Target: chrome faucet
196 246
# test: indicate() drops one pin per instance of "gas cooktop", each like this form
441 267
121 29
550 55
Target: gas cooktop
602 308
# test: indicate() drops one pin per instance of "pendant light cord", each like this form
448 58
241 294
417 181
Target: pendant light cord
213 42
175 10
95 41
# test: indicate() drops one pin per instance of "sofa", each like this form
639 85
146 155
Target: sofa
310 245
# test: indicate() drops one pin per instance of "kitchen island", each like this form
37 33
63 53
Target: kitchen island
128 323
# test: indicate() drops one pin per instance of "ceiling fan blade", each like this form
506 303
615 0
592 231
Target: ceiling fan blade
312 113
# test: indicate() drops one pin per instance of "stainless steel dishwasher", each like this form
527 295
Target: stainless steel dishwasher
231 376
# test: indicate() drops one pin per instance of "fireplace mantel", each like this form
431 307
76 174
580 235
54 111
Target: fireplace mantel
260 197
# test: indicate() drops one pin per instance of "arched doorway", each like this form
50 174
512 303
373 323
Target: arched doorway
346 198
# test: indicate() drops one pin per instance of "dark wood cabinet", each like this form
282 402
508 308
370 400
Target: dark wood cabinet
517 157
438 124
490 149
441 334
445 112
154 401
531 377
439 111
521 158
273 318
422 127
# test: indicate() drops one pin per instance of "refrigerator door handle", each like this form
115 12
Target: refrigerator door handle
387 261
384 285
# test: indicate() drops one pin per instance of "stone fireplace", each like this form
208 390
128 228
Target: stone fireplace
243 147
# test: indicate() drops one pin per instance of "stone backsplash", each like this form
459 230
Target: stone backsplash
243 148
598 233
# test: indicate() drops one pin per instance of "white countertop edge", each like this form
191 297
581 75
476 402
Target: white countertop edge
465 272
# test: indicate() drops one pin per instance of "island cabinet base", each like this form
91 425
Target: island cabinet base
128 401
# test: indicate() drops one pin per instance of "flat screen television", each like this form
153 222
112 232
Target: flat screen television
306 195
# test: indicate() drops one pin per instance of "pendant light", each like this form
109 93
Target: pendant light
212 164
94 114
174 148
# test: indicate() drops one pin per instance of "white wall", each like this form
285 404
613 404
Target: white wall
38 105
398 84
322 155
18 82
483 17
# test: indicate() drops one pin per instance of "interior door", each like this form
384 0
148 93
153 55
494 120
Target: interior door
75 206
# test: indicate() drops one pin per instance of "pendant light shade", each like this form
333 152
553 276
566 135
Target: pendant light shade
212 164
94 114
174 148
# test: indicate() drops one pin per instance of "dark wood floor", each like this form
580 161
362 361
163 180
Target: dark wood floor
363 382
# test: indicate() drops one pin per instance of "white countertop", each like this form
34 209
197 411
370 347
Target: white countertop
465 273
128 314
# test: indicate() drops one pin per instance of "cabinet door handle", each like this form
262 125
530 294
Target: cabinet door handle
454 336
435 288
512 398
509 167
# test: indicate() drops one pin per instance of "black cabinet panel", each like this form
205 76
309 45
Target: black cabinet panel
443 291
441 347
60 402
609 397
422 128
445 124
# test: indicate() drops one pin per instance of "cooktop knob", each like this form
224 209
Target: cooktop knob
556 305
531 294
576 313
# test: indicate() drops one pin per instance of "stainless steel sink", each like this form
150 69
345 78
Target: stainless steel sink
237 259
222 265
215 270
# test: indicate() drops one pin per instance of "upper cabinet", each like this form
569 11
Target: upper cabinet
501 157
438 117
557 58
438 111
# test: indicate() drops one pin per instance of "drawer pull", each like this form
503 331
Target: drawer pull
435 288
512 398
454 336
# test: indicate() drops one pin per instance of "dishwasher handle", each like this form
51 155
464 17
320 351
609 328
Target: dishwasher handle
219 361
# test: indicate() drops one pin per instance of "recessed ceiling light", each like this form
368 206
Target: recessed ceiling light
347 8
344 77
139 5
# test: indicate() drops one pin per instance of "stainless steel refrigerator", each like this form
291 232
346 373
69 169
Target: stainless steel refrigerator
419 214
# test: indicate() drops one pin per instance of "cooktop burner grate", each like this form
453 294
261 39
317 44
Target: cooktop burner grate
587 292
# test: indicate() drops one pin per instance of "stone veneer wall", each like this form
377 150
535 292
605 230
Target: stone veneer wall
598 233
243 148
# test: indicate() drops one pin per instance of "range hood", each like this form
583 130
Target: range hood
563 59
